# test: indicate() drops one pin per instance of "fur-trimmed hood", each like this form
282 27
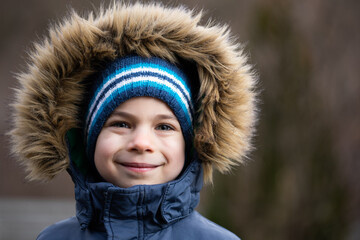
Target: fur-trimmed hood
50 94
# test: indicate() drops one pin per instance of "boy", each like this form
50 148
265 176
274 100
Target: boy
138 104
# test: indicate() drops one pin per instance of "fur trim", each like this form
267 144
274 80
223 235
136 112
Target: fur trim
48 100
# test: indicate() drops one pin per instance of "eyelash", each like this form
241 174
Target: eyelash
168 127
120 124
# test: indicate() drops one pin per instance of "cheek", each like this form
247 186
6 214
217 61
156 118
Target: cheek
104 147
175 150
103 156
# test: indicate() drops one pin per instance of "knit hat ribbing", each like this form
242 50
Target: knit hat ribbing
135 76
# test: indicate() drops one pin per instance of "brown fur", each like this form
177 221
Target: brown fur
47 101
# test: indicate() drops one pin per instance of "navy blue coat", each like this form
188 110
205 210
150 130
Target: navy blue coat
164 211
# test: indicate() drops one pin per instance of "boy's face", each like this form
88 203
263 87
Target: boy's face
140 143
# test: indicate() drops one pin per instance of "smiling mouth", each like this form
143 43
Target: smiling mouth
139 167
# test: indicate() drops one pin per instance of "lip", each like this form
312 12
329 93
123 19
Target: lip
139 167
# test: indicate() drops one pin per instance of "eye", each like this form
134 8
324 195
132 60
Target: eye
164 127
119 124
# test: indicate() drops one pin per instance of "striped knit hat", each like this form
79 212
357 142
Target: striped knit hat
135 76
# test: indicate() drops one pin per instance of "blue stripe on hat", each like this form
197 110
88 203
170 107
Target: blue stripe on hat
143 67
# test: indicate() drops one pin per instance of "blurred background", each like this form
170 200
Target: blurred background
303 179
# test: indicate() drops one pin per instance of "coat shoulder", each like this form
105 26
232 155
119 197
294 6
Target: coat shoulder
59 229
196 226
68 229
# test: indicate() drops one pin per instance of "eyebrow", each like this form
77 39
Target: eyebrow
122 114
166 116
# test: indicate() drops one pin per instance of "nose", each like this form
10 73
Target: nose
141 141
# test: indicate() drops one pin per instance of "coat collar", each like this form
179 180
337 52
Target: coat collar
156 206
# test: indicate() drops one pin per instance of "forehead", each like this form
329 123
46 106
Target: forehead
144 105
